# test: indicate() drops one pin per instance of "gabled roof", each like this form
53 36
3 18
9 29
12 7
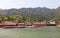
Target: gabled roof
36 23
1 24
52 22
28 23
9 23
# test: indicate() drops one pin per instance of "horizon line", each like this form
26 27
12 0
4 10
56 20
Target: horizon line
26 7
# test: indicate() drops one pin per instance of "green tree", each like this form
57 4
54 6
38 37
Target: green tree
0 19
57 14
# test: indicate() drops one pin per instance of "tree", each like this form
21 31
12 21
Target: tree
57 14
5 18
12 18
19 18
0 19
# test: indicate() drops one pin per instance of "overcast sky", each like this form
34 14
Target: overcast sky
7 4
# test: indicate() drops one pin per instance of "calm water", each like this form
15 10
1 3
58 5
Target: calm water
43 32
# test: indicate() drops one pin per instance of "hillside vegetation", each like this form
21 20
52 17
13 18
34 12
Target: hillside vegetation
30 14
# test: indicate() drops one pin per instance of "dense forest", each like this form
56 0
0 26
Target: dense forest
37 14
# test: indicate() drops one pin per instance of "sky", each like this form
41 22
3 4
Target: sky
7 4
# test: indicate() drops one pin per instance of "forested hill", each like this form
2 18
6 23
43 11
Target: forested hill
43 13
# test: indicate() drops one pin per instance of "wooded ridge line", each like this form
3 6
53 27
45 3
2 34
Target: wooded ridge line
30 14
